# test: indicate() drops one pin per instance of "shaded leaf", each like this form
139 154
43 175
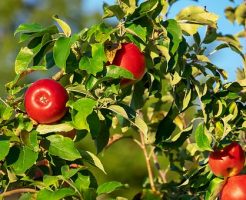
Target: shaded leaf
166 125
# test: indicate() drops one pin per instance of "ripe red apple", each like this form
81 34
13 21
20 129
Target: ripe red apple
132 59
228 161
45 101
234 188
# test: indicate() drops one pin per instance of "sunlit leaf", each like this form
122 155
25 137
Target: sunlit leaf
63 147
202 139
26 159
62 49
55 195
84 108
44 129
64 26
214 189
109 187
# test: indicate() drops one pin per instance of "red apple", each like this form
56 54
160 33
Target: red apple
45 101
132 59
228 161
234 188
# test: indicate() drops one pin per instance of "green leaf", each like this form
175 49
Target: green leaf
92 159
214 189
27 196
5 146
50 180
202 139
230 14
26 159
191 18
29 28
231 46
24 58
129 114
179 139
210 36
24 72
108 187
64 26
62 49
111 11
240 14
233 109
67 173
117 72
63 147
219 129
144 8
55 195
95 64
187 99
166 126
44 129
82 182
6 112
84 107
174 33
137 30
102 137
30 139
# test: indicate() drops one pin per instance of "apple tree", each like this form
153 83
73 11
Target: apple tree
147 75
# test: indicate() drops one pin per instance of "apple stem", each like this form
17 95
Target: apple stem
148 164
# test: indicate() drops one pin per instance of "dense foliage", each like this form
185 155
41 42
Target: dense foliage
44 163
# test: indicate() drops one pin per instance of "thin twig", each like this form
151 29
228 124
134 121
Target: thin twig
147 159
162 173
17 191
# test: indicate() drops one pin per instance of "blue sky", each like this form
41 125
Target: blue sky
225 59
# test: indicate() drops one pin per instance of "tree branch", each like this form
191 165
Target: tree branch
17 191
162 173
58 75
147 159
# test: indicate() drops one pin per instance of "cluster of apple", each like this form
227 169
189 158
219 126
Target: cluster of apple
228 163
45 100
